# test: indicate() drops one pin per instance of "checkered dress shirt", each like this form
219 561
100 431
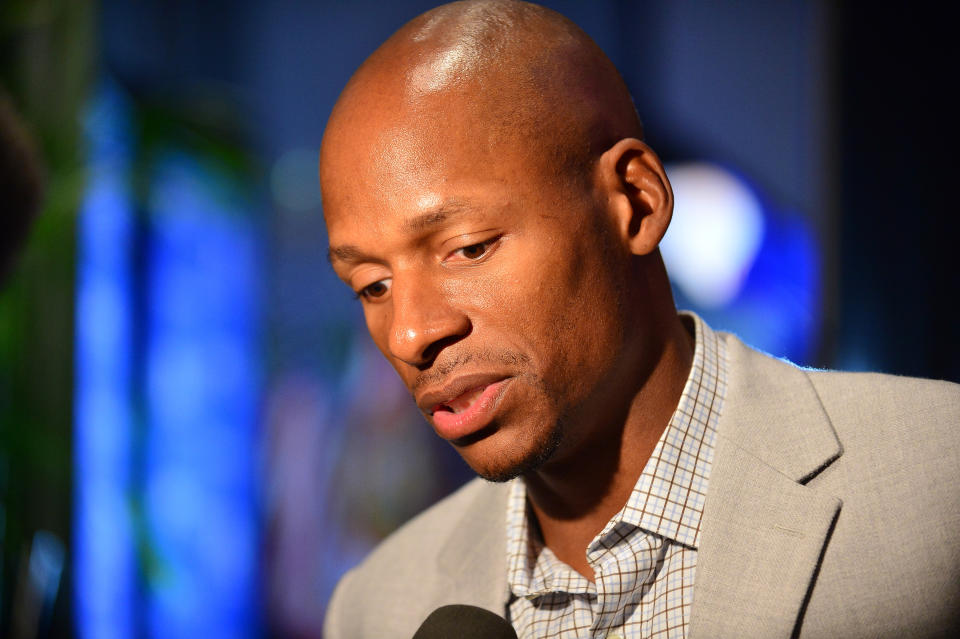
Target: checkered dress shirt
645 557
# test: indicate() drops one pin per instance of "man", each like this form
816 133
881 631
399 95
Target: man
489 198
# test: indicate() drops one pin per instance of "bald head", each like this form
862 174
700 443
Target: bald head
488 199
492 73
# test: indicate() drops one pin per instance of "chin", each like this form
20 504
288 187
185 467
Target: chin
501 462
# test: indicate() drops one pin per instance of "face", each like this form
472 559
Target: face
493 283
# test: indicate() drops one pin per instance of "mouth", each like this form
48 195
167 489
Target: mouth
466 406
460 403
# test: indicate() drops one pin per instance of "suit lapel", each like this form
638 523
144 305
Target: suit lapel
474 561
763 531
759 548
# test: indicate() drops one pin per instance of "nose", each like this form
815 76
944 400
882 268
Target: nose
423 323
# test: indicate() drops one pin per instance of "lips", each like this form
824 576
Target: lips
462 402
465 405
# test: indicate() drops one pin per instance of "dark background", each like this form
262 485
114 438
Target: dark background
837 114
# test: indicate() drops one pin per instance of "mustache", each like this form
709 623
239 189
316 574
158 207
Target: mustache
442 369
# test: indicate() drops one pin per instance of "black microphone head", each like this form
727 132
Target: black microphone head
460 621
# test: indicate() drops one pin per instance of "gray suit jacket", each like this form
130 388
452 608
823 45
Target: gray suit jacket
833 510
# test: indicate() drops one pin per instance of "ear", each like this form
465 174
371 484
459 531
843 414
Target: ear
637 193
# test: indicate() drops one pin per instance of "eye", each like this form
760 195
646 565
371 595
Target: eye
376 290
474 252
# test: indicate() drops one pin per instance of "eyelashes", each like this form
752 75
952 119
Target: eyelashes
476 251
467 255
375 290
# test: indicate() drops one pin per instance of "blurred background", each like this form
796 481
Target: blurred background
197 436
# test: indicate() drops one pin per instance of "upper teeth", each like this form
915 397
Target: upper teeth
464 401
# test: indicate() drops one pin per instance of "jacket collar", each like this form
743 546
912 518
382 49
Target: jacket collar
763 531
474 560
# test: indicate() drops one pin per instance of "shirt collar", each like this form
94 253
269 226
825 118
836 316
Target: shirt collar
668 497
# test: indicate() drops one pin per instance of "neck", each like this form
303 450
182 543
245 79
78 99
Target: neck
575 496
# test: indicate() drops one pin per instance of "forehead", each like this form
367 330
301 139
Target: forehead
385 159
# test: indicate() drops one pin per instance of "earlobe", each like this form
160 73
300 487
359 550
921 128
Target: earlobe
638 193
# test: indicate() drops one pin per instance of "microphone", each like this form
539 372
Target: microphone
460 621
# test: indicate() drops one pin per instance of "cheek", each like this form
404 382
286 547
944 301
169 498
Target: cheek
478 294
492 294
549 299
572 310
378 322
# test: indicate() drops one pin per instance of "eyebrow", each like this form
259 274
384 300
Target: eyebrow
436 217
415 225
346 253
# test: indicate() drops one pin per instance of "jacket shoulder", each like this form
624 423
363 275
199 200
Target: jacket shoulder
394 588
914 420
890 395
851 400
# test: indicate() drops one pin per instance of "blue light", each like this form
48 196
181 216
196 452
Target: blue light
105 564
201 400
715 234
167 395
742 266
